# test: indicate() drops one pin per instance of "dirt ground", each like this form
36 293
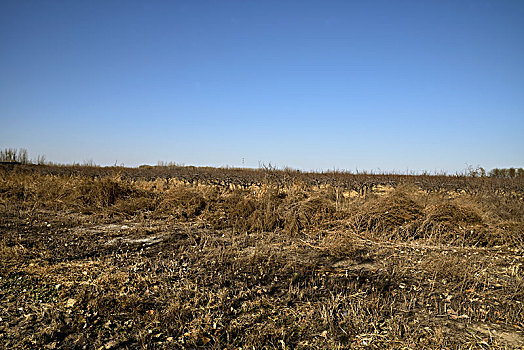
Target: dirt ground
114 263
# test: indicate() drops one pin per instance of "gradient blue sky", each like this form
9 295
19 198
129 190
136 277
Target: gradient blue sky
390 85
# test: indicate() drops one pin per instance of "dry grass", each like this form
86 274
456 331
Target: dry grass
113 262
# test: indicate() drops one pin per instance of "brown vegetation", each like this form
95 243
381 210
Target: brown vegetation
226 258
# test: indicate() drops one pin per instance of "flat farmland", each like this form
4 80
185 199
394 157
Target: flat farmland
213 258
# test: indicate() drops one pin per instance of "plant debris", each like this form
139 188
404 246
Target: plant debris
144 259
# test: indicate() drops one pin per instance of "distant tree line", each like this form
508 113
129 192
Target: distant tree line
21 156
499 173
507 173
14 155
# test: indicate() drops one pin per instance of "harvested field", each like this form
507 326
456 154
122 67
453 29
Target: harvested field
150 258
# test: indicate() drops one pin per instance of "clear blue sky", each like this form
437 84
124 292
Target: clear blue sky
390 85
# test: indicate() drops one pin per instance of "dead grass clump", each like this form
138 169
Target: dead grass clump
452 214
102 192
229 210
391 216
343 246
301 214
451 221
183 203
504 233
247 213
267 215
268 211
26 188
